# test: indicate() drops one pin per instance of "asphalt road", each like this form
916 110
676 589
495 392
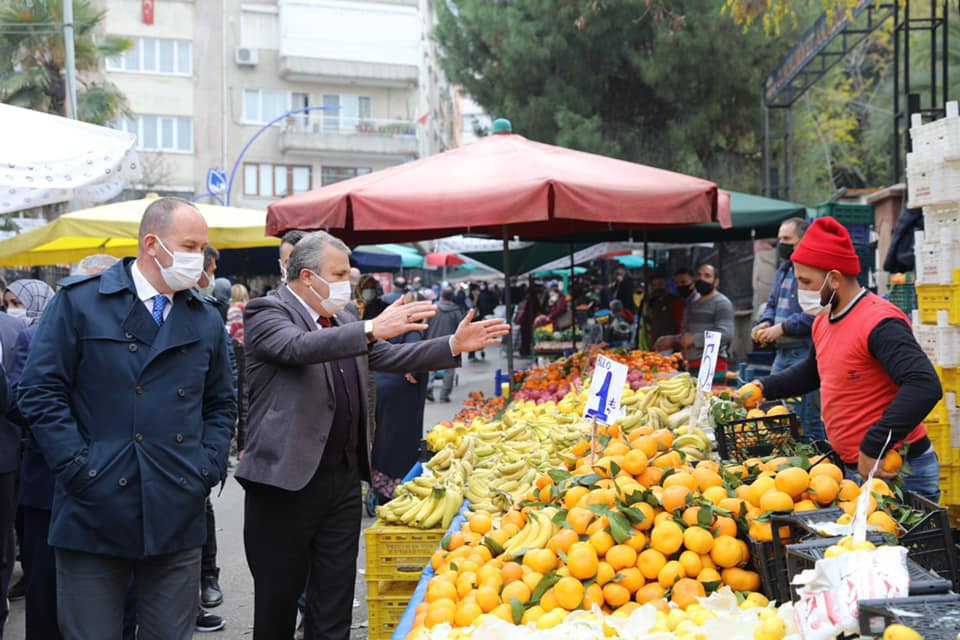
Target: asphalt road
235 578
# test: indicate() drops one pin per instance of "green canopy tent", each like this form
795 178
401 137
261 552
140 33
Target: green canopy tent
752 217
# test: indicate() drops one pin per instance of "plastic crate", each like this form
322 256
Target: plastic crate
936 262
930 541
386 602
798 527
904 297
859 233
932 183
399 553
941 224
804 555
934 617
926 335
867 256
847 213
757 437
932 298
938 140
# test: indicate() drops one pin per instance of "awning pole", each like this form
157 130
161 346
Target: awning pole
507 301
573 309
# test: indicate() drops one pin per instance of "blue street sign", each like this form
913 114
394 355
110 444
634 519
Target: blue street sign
216 181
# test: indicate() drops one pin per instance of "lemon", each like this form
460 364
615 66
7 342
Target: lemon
758 598
552 618
771 628
834 550
863 545
845 541
845 519
900 632
674 618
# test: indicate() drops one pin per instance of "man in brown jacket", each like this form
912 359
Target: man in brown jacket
309 441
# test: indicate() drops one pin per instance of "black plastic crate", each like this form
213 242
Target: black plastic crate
930 542
904 297
804 556
847 213
756 437
769 559
934 617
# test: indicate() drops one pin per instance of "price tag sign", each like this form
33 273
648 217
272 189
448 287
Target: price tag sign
606 390
708 362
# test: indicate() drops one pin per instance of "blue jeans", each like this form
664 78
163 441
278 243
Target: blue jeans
808 408
923 479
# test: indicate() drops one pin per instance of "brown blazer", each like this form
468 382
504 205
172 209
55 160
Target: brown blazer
290 385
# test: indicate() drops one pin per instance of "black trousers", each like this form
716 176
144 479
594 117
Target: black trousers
302 537
8 510
208 553
40 572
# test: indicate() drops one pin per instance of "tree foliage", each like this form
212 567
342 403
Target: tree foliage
32 59
670 84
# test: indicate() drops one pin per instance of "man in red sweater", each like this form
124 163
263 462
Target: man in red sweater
875 381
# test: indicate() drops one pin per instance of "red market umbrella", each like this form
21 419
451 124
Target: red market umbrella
539 190
444 260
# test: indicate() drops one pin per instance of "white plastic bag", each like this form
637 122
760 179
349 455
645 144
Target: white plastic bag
829 598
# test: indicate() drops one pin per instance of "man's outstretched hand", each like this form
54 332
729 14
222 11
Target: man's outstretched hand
473 336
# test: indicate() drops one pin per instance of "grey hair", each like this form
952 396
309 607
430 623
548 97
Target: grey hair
158 216
308 253
93 264
799 225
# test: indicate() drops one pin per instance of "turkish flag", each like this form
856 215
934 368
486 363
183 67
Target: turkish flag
146 11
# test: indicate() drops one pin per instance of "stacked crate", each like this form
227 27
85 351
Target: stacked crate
933 182
396 557
858 220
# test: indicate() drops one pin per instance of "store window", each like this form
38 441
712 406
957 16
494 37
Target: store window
165 56
269 180
332 175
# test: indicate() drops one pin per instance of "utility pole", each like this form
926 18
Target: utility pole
71 60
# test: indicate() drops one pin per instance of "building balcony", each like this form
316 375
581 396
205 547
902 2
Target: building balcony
373 74
360 136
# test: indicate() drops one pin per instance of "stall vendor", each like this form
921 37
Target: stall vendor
876 384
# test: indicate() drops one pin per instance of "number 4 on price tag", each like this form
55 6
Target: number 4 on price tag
606 390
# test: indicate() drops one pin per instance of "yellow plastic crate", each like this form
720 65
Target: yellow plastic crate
399 553
949 483
939 434
938 297
386 602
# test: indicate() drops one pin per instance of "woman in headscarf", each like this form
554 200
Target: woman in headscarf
26 299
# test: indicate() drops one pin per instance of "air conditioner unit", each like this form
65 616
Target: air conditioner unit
246 57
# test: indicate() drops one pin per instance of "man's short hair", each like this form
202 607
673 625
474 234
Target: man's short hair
716 272
799 225
93 264
210 254
158 215
447 294
308 253
683 271
292 237
616 305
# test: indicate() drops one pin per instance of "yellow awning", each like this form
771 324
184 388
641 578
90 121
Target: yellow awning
112 229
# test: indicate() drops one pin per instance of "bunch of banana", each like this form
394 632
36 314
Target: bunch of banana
535 534
437 508
693 442
497 489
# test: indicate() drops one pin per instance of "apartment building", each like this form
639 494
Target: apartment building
284 95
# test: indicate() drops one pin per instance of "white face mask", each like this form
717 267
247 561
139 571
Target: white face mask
185 271
17 312
368 295
339 294
811 302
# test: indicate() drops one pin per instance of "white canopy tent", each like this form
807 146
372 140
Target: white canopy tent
604 248
463 244
46 158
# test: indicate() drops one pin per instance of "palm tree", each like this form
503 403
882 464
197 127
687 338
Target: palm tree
32 59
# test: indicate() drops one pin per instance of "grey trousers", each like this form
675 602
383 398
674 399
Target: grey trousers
91 590
449 375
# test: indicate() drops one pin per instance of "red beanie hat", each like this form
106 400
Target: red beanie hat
826 245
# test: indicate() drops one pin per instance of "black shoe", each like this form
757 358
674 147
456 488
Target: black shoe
447 399
209 622
17 591
210 594
430 395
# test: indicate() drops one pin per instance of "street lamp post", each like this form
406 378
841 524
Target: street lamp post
243 152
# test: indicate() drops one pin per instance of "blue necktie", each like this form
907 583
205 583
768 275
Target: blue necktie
159 304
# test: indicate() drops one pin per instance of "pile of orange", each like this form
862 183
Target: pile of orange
637 525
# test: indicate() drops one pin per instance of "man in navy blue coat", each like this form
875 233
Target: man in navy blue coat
9 463
128 391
